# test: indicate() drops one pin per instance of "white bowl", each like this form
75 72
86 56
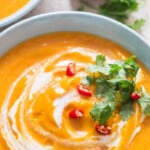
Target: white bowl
76 21
18 14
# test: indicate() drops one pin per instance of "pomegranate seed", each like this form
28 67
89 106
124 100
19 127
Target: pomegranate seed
135 96
83 90
76 113
71 69
103 129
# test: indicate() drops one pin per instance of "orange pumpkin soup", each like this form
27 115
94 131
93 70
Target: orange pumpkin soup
8 7
53 95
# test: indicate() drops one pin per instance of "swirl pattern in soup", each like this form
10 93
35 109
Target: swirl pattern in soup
37 96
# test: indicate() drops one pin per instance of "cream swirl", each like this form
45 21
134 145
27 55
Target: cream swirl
34 118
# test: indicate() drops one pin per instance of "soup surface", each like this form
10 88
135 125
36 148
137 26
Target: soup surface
8 7
37 97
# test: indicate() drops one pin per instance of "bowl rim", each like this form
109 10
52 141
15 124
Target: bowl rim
51 14
19 14
16 30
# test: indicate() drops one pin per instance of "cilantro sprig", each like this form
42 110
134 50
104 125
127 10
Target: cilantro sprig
116 9
137 24
144 101
114 84
102 111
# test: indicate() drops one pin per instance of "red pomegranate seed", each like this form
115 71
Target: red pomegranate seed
103 129
71 69
135 96
84 90
76 113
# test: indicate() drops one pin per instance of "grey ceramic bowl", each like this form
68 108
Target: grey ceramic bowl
19 14
76 21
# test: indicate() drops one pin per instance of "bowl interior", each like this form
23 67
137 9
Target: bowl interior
76 21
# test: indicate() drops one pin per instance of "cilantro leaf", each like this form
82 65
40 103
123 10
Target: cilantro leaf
144 101
92 68
102 111
131 67
125 87
100 60
114 83
114 70
104 88
88 80
98 69
118 9
137 24
126 111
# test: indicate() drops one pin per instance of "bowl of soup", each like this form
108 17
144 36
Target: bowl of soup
73 80
13 10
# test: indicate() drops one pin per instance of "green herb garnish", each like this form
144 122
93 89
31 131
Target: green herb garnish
137 24
116 9
126 111
114 84
102 111
144 101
